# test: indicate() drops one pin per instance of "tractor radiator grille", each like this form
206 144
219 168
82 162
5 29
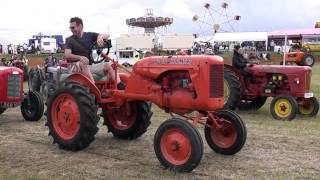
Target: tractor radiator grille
14 86
216 81
308 80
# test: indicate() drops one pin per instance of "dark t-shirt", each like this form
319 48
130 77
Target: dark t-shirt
81 46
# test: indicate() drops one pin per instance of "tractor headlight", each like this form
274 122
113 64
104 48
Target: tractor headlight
274 77
280 77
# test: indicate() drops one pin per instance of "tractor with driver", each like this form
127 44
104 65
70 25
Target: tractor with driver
179 85
12 94
288 85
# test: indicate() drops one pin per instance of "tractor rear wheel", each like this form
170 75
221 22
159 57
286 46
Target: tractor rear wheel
225 132
2 110
308 107
72 116
129 121
308 60
231 90
178 145
284 107
32 106
252 104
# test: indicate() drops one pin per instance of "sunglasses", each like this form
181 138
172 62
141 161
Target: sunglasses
72 27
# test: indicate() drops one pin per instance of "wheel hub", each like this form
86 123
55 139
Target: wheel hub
65 116
176 146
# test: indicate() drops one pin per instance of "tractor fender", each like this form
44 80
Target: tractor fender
77 77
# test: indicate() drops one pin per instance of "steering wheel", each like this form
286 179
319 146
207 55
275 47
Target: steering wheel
99 50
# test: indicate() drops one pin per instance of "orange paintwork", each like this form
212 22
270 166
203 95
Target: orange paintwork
179 84
295 57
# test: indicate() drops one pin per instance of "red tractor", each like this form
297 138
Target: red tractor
12 95
179 85
289 85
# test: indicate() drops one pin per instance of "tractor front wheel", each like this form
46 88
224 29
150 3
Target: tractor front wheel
72 116
129 121
32 106
308 107
225 132
284 107
178 145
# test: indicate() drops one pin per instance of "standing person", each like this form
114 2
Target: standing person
78 47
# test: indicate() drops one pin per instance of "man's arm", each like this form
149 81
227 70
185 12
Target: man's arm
74 58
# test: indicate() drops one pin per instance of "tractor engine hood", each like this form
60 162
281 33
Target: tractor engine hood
264 69
153 67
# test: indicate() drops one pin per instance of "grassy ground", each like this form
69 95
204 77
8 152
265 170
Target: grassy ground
274 150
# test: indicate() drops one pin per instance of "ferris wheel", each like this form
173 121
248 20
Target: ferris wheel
215 18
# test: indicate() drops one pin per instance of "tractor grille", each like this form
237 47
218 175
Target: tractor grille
308 80
216 81
13 86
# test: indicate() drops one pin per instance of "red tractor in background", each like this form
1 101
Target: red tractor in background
12 94
299 57
289 85
177 84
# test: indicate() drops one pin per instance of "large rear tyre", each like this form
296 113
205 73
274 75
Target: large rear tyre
178 145
252 104
72 116
308 60
32 106
231 90
284 107
225 132
130 121
308 107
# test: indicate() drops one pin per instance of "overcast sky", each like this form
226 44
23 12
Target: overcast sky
22 19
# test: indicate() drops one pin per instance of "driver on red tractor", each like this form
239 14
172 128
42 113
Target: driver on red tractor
77 51
239 62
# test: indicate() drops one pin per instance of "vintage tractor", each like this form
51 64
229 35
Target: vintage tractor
289 85
179 85
44 79
12 95
299 57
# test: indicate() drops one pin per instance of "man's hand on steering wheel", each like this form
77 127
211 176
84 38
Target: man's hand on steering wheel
106 44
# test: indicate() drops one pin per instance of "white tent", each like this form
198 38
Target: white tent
241 36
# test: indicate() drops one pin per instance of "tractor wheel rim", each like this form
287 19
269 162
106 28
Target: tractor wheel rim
65 116
124 117
283 108
226 135
306 107
175 146
309 60
226 91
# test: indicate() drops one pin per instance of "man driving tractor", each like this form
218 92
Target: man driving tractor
239 62
78 49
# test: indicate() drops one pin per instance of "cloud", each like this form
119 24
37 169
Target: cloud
177 8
